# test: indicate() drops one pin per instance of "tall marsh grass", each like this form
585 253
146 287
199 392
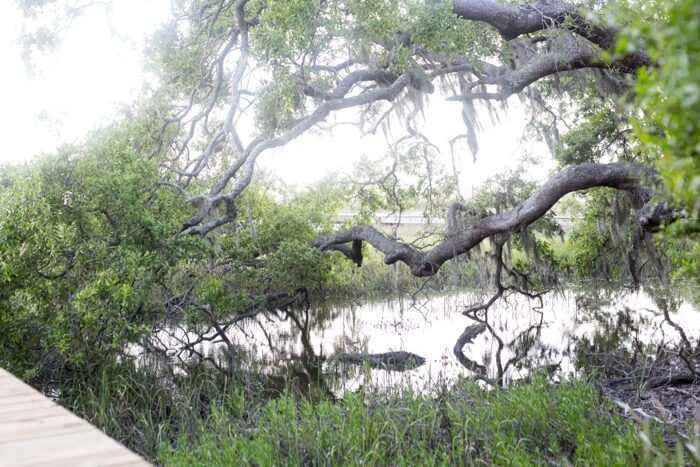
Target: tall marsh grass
208 419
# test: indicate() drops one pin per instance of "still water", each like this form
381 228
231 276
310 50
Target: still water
521 335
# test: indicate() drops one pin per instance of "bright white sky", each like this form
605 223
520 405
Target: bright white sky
81 86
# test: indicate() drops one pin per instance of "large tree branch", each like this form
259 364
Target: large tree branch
513 21
344 86
622 176
512 81
578 43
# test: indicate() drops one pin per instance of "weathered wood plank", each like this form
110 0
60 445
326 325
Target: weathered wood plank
66 448
5 410
49 425
36 431
32 414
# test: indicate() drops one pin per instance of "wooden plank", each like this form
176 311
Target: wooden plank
118 459
51 425
66 448
32 414
36 431
6 410
6 401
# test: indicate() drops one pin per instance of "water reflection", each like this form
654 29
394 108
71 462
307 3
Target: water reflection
295 344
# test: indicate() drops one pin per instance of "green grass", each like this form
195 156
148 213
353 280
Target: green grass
206 419
533 424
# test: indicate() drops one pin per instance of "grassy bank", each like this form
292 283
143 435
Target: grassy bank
209 420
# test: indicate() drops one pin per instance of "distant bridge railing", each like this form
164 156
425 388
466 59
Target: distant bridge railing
393 219
417 219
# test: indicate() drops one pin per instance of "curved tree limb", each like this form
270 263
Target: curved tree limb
621 176
244 170
513 81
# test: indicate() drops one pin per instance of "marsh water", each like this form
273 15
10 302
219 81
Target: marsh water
522 334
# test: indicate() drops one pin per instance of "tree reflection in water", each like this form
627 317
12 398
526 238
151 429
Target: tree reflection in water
293 342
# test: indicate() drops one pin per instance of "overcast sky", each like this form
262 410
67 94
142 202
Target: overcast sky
77 88
81 86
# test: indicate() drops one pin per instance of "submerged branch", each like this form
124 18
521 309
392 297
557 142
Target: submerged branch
467 337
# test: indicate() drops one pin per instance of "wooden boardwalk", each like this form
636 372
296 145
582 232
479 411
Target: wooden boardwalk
34 431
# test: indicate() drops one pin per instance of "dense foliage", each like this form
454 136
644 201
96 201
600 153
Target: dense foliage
87 235
92 261
670 97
